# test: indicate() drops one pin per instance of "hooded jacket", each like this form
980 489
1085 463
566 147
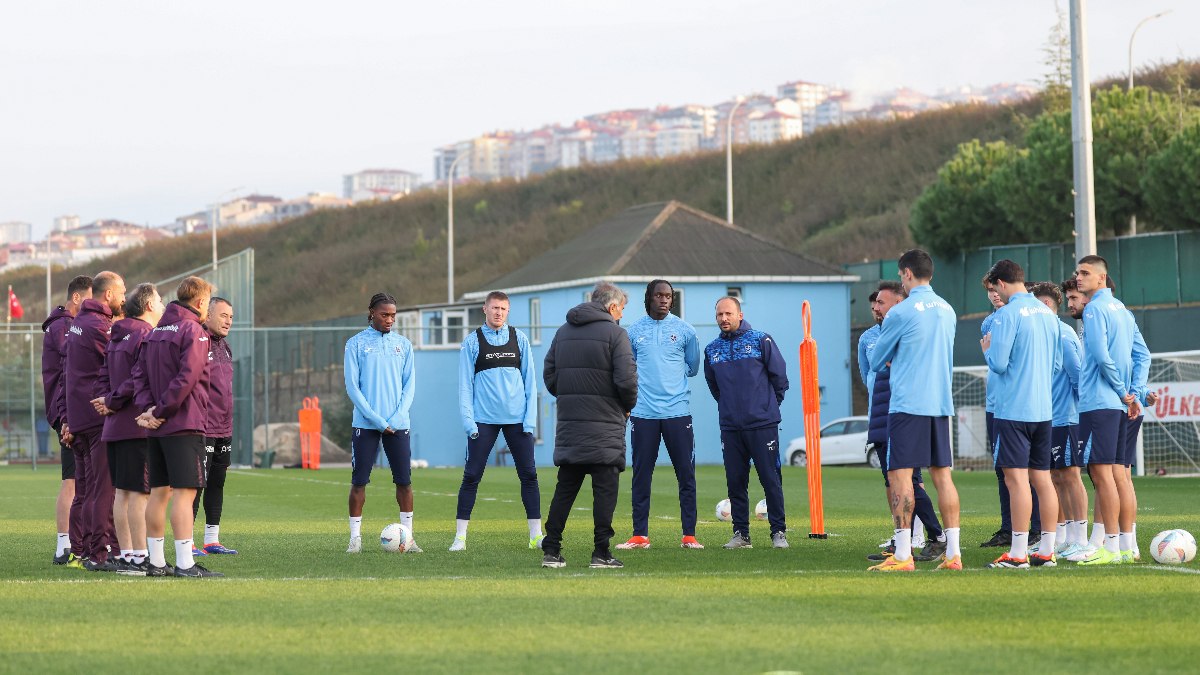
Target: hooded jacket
881 398
54 355
589 368
172 373
747 376
87 341
116 380
220 388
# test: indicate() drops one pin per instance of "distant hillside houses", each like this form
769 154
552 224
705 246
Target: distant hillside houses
77 244
798 108
253 209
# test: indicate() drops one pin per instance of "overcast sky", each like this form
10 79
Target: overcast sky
144 111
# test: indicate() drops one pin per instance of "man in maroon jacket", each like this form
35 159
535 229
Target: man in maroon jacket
87 341
123 437
54 352
218 431
171 386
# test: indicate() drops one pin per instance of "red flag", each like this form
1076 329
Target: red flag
15 310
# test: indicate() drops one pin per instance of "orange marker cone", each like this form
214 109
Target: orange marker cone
812 424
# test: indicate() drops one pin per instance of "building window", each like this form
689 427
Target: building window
443 327
535 324
734 292
409 325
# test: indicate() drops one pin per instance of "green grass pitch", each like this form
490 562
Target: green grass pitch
295 602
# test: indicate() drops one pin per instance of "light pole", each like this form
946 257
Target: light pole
1081 135
729 161
215 220
450 230
1134 34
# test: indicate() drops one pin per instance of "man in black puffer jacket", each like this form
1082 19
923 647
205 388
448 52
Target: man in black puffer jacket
589 368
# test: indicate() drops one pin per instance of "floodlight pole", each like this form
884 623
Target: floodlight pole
1081 135
1133 218
729 162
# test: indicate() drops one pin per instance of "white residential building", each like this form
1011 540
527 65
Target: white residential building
774 126
313 201
15 231
64 223
677 141
378 184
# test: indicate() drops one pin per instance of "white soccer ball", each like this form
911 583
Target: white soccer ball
1173 547
395 538
760 509
723 512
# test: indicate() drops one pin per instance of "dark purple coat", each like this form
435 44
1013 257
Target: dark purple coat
116 380
54 354
87 340
220 388
172 373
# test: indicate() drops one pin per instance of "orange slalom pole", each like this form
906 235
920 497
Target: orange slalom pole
811 390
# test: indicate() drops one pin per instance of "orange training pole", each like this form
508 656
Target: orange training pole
812 424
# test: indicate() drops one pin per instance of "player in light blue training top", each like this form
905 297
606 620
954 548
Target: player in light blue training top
667 353
380 381
497 393
1024 351
917 340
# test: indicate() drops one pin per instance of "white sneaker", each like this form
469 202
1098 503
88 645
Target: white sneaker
355 545
1083 554
918 543
460 544
413 548
886 543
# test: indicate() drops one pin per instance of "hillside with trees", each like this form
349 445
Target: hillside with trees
842 194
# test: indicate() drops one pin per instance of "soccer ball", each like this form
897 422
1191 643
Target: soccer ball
395 538
760 509
1173 547
723 513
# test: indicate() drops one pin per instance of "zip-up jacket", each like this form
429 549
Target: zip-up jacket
747 376
1066 381
116 380
917 337
1106 375
380 379
500 395
172 373
1141 363
219 423
87 340
993 380
866 344
881 396
54 354
1026 353
667 354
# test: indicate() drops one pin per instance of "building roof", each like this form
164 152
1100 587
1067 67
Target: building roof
666 239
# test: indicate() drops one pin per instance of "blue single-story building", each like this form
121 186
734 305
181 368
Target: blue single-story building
702 256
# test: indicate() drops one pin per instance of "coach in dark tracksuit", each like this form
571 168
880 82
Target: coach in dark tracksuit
748 377
877 435
589 368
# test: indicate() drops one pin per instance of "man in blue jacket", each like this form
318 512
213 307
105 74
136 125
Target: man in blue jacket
667 354
916 341
748 378
1024 351
497 393
381 382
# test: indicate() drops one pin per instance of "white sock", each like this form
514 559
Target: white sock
1060 532
903 539
1046 545
355 527
918 529
1126 541
460 528
1133 532
1097 539
183 554
125 553
64 543
952 548
535 528
1020 545
211 534
154 545
1111 543
406 520
137 555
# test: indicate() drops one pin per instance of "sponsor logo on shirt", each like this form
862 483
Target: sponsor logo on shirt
75 330
174 328
491 355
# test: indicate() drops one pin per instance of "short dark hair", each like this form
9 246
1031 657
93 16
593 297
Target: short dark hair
1047 289
381 299
216 298
1069 285
1006 271
650 291
79 284
918 262
103 281
496 295
1108 281
736 303
1094 260
138 301
893 287
872 296
987 285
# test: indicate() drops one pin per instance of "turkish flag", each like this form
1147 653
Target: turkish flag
15 310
